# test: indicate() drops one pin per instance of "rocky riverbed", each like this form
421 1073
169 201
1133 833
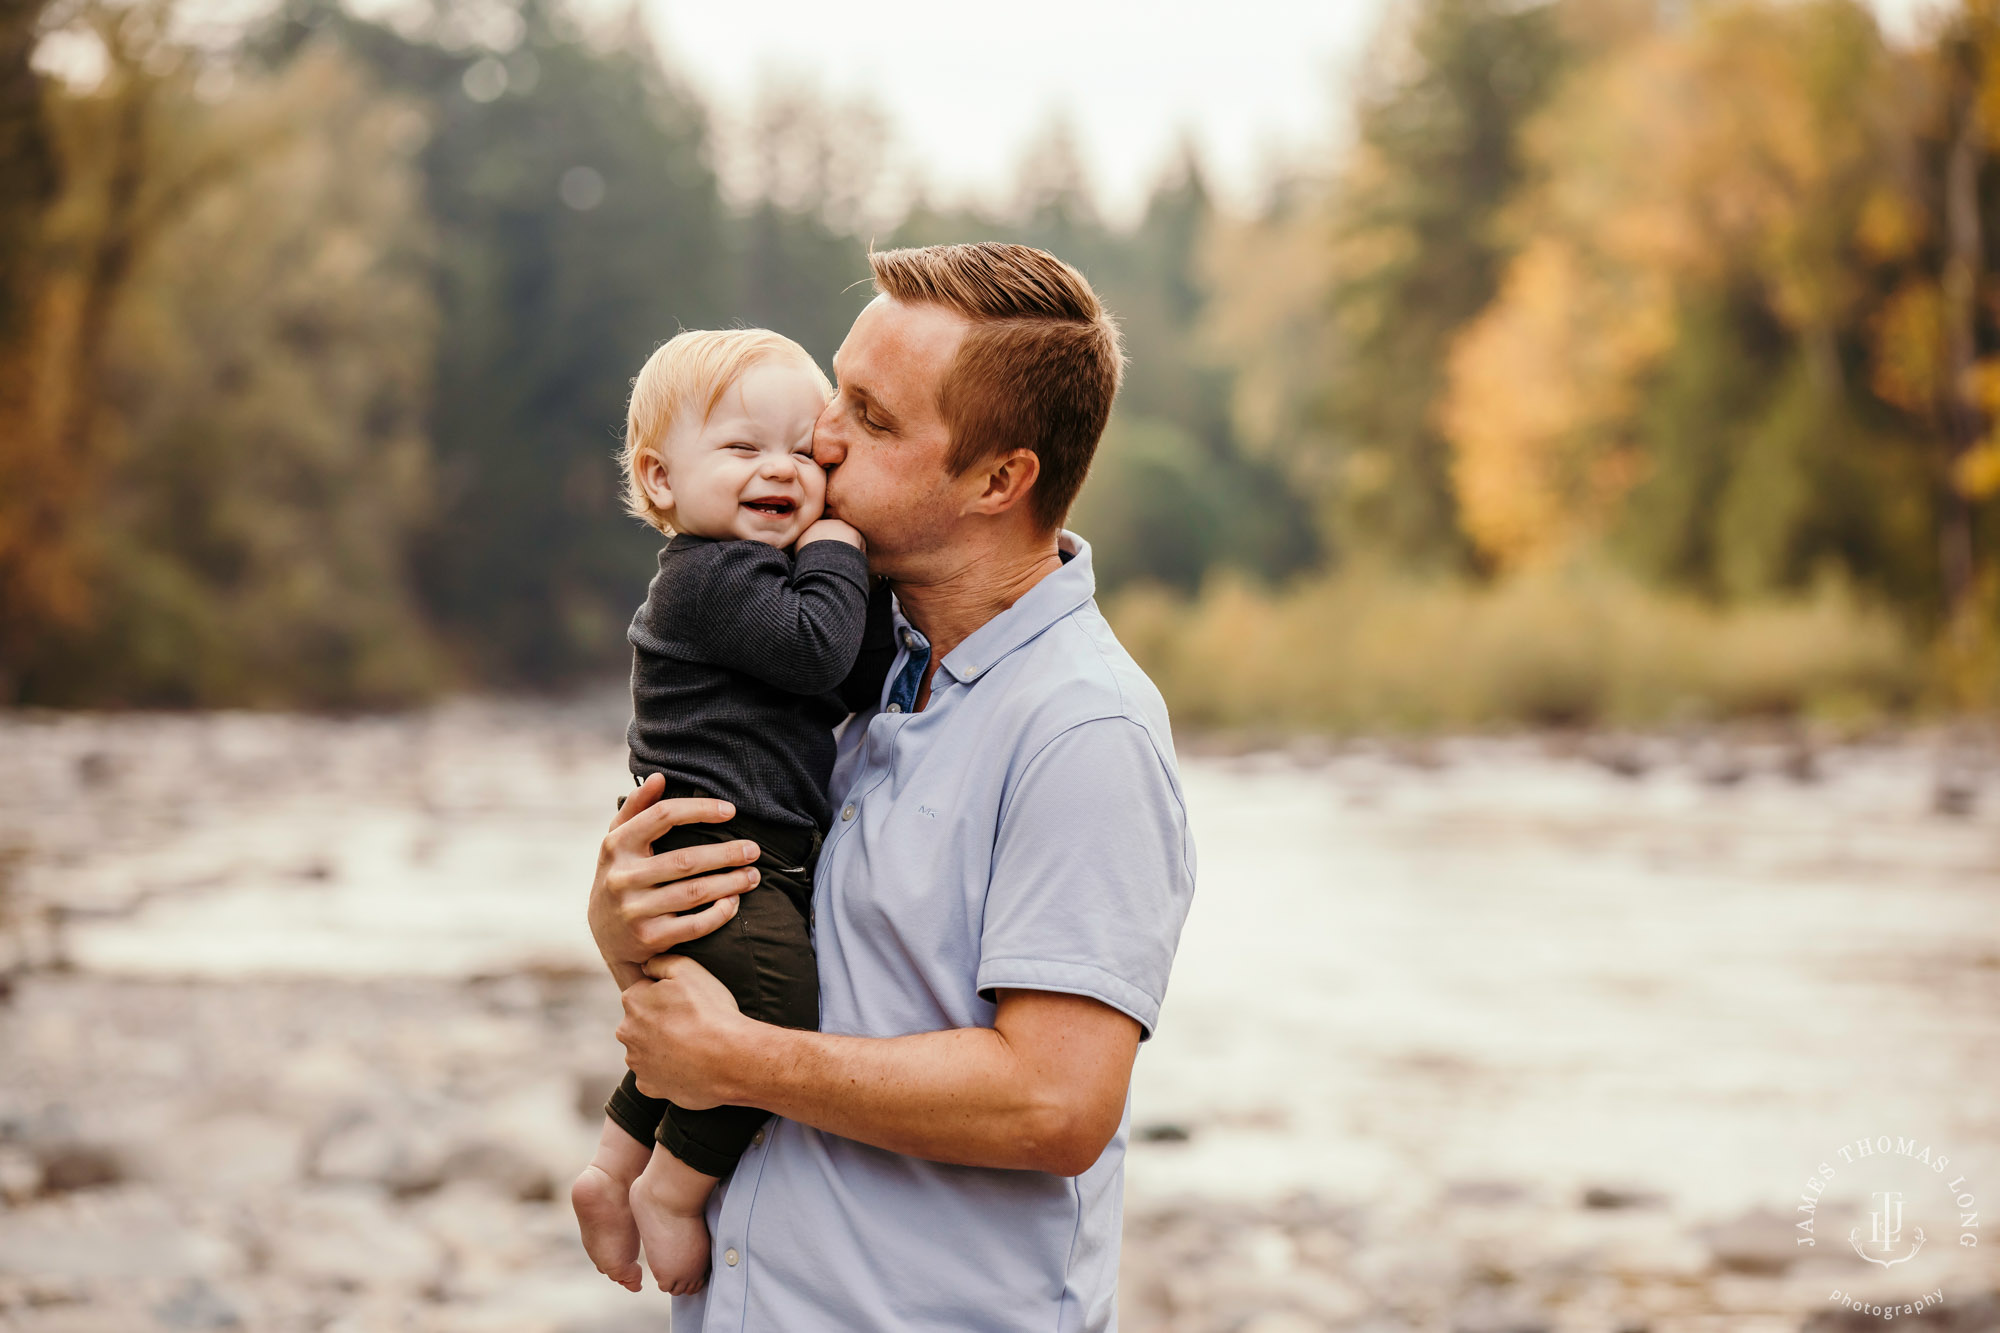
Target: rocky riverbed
300 1030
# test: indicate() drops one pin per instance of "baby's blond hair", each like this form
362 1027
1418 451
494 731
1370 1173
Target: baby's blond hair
688 374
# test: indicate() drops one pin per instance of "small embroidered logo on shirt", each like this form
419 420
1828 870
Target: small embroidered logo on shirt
928 812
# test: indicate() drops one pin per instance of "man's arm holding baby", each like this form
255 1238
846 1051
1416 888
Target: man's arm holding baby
1043 1089
1068 904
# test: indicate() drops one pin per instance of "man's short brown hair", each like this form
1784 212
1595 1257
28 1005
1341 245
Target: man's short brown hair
1037 370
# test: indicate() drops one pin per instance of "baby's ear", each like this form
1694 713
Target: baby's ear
651 473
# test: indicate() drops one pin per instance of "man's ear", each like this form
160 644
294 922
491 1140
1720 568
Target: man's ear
1008 479
652 473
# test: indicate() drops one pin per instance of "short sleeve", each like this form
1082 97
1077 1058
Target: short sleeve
1093 872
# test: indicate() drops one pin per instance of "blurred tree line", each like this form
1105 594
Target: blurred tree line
314 338
315 342
1703 293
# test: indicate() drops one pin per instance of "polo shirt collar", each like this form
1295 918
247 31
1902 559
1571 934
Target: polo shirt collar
1041 606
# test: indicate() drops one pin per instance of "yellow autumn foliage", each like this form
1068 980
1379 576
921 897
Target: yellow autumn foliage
1712 150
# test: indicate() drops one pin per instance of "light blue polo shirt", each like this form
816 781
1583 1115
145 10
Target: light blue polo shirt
1025 831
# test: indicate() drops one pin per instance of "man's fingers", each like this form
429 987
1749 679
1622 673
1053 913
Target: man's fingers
687 894
644 817
687 862
687 872
633 802
661 933
688 810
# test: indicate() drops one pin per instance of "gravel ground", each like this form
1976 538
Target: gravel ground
1553 1036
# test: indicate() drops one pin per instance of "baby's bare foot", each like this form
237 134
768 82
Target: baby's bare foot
667 1202
601 1198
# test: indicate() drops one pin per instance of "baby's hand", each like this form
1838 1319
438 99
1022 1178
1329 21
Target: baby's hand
833 530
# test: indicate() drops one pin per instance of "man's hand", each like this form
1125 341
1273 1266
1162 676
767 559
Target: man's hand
636 895
832 530
678 1031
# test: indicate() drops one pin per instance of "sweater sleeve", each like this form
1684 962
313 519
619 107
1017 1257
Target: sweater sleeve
794 624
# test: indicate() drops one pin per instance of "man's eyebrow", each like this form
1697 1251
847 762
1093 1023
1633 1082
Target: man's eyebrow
872 403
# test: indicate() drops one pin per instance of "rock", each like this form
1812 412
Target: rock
1723 769
1424 756
1954 796
66 1167
363 1150
1165 1131
1607 1197
20 1175
590 1092
141 1236
1759 1243
1484 1193
1498 1319
1622 758
353 1240
1280 1321
1488 1322
638 1321
1801 764
506 1169
229 1153
197 1305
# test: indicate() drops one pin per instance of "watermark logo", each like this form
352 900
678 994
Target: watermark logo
1912 1193
1885 1231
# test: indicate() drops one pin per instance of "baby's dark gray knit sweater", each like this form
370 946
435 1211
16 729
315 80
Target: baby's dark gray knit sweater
744 659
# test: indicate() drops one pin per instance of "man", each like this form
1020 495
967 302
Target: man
999 900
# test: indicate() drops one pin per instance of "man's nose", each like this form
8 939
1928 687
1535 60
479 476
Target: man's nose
827 448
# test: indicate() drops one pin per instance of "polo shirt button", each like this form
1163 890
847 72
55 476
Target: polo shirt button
758 1138
909 639
895 708
730 1257
847 812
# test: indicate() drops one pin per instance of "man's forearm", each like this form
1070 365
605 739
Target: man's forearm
954 1096
1043 1089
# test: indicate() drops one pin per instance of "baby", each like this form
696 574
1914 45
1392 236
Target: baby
747 653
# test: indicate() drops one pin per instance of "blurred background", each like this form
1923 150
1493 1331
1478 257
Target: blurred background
1557 488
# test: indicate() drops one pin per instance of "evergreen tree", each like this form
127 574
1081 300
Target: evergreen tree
1417 252
579 226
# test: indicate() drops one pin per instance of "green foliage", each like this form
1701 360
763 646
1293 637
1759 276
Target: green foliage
1157 509
1172 493
548 305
